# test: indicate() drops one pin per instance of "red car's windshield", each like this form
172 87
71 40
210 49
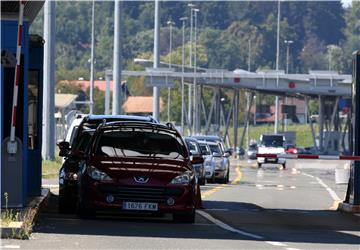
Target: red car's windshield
140 143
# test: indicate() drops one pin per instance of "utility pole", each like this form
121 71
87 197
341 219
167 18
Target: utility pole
183 19
197 116
156 90
117 91
287 42
190 109
48 142
92 58
276 129
170 23
249 56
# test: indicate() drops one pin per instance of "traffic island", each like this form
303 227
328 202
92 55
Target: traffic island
18 223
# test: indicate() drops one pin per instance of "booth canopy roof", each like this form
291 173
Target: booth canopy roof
11 8
64 100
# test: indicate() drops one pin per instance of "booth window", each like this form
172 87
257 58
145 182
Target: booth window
33 108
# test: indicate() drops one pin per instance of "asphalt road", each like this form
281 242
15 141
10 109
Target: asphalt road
267 208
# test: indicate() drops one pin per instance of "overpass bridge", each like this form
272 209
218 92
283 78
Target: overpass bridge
327 86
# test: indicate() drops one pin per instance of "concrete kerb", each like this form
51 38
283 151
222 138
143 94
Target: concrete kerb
22 229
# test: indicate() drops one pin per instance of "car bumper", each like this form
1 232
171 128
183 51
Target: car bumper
95 195
271 160
220 173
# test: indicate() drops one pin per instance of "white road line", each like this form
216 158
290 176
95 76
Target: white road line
226 226
275 243
50 185
332 193
10 246
291 248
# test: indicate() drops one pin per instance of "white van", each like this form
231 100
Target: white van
271 144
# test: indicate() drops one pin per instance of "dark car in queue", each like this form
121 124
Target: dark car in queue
73 152
137 167
196 159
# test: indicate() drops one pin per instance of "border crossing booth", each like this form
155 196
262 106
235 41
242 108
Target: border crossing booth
21 169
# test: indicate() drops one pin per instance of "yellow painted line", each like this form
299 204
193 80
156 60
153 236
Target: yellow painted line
335 205
217 188
238 176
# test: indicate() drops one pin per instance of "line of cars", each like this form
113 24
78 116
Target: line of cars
127 164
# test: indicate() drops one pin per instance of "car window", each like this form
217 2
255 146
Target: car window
73 135
192 146
116 143
272 141
215 149
204 149
83 141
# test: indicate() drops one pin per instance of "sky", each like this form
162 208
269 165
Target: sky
346 3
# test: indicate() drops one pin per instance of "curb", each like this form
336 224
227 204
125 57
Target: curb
349 208
22 229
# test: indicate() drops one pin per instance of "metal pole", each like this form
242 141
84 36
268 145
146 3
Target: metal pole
321 122
117 91
236 118
276 129
156 90
170 23
48 149
249 61
197 117
107 94
311 124
91 104
190 113
183 19
246 119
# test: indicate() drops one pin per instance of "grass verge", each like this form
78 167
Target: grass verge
50 169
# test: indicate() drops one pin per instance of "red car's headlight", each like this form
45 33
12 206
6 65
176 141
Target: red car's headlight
184 178
96 174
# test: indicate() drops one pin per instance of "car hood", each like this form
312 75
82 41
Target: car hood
126 170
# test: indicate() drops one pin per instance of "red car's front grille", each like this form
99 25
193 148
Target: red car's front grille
147 194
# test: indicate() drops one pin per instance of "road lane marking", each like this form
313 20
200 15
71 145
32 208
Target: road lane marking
275 243
226 226
209 192
291 248
238 177
332 193
10 246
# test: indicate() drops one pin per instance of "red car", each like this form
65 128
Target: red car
137 167
291 149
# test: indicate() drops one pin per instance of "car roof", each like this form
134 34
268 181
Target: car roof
188 138
207 137
120 118
209 142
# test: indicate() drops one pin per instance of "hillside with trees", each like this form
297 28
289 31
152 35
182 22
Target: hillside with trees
225 30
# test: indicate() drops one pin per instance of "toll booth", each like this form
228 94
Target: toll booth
21 172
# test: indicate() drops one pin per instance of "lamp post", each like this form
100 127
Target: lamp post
92 58
192 6
170 23
183 19
288 43
249 55
276 129
196 119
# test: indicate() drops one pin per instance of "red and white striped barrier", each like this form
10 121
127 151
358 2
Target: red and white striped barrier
17 70
320 157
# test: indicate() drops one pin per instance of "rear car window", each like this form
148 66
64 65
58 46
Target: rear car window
192 146
116 143
272 141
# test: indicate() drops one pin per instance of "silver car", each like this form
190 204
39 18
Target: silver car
209 161
222 170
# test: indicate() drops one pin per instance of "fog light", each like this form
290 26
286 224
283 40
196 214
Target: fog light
170 201
109 198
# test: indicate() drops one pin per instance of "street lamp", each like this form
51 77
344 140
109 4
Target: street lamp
183 19
196 119
192 6
288 43
277 69
170 23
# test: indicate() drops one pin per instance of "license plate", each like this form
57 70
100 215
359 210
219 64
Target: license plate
142 206
271 159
